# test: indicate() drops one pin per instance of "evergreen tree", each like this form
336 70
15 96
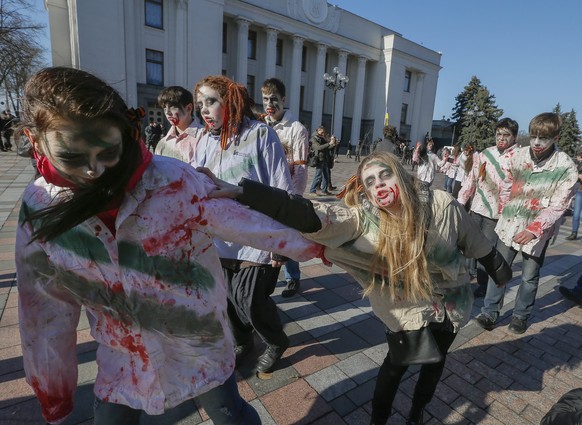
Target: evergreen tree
569 134
475 114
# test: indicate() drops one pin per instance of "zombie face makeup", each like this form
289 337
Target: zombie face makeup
504 138
381 185
273 105
178 116
211 107
82 155
540 145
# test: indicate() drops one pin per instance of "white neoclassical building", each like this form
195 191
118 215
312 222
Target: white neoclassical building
140 46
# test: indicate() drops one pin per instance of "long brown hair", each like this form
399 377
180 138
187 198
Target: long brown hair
470 151
399 264
60 95
237 105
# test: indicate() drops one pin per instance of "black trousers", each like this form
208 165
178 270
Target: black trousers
250 305
390 375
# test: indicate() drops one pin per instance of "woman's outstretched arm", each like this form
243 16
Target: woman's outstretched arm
292 210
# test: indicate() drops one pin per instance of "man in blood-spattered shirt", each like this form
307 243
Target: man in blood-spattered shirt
539 184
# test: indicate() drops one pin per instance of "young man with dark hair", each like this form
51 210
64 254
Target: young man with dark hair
181 140
482 186
295 140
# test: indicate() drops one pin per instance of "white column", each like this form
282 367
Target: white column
358 99
181 51
242 54
294 89
271 52
415 121
318 87
130 55
338 114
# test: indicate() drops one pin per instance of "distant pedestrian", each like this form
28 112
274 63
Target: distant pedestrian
7 126
349 152
359 150
577 213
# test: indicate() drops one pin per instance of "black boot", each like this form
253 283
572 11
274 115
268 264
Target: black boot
572 236
415 415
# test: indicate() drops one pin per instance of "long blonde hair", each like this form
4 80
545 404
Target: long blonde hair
399 264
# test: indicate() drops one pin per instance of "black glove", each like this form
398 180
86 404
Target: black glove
496 267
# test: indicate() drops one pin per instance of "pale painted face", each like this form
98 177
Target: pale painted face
79 154
273 105
211 107
504 138
179 117
381 185
540 145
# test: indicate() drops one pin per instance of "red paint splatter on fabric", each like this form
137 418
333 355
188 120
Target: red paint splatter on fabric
535 228
534 204
282 244
194 199
131 345
117 287
98 230
55 405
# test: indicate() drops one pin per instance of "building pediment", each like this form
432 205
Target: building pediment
315 12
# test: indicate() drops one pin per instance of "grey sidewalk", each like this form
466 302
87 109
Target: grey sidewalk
327 376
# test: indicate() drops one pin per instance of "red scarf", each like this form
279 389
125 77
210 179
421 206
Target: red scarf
52 176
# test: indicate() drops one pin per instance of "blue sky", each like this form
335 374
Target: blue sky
527 53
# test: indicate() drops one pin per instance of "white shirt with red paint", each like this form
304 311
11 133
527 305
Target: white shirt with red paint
256 154
295 140
180 145
483 188
534 197
154 292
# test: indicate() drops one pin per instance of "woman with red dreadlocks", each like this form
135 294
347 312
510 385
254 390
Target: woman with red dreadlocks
235 146
129 237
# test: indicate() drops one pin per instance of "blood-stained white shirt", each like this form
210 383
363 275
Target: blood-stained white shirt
154 292
534 196
181 145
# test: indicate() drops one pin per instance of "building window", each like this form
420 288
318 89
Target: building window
407 78
154 13
404 113
279 52
301 97
224 36
154 67
252 45
223 72
304 58
251 85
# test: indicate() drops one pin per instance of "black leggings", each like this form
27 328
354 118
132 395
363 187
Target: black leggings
390 375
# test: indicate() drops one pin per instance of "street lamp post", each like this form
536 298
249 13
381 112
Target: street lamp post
336 82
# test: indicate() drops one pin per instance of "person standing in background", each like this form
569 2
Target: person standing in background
481 189
181 139
234 145
295 140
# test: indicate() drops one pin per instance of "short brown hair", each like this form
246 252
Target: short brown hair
545 125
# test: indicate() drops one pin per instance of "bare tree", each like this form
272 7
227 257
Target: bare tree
20 50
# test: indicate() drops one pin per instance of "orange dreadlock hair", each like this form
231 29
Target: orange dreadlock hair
235 101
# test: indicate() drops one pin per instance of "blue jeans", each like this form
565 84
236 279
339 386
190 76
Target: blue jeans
487 226
321 175
577 212
223 404
528 288
292 270
449 184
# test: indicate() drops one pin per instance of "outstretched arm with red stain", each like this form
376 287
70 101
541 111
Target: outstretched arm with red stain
48 318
